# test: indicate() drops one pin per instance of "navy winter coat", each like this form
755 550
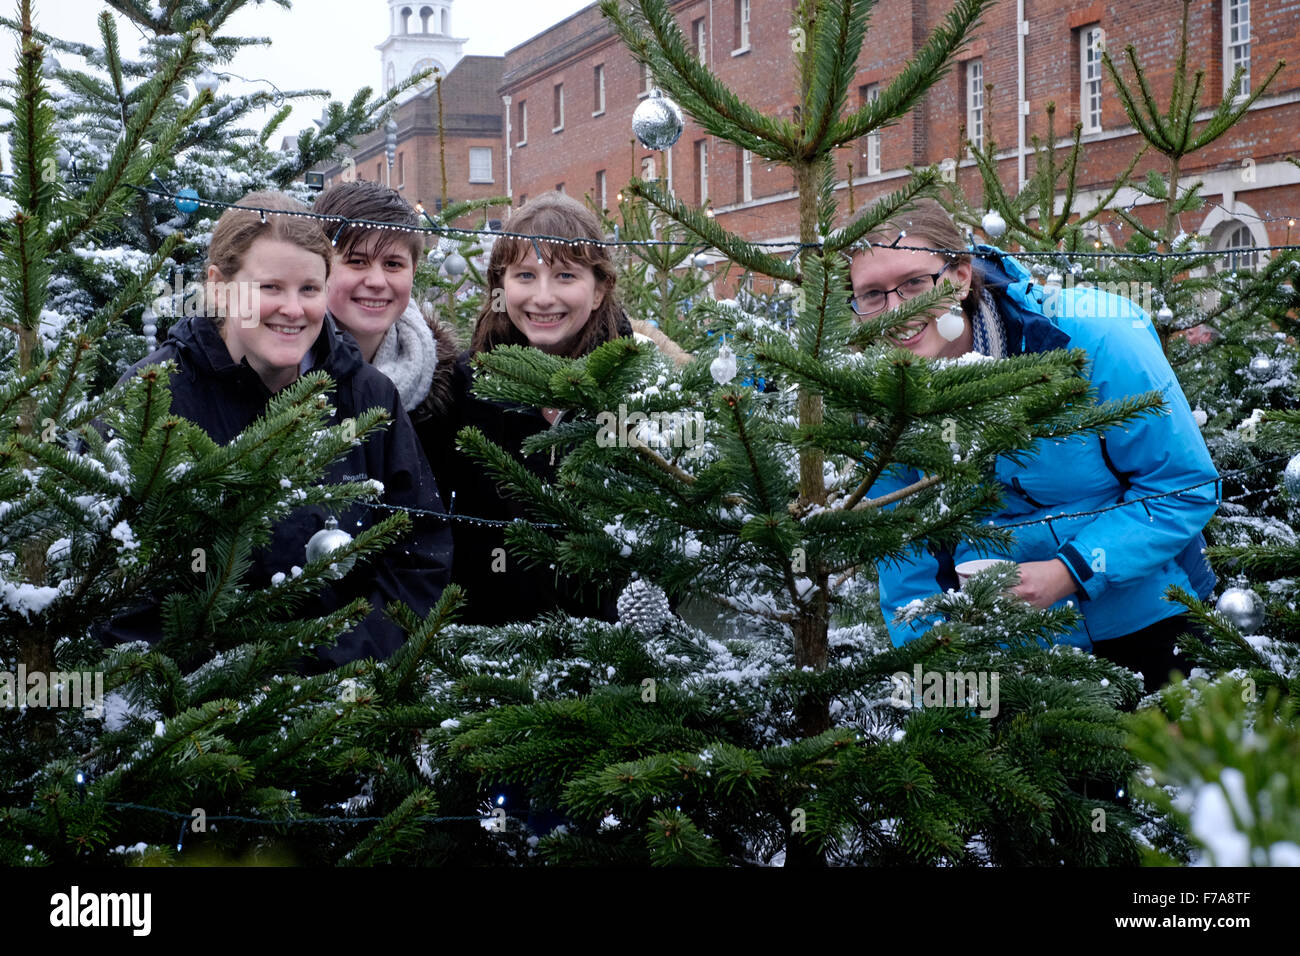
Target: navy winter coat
500 585
1124 558
224 398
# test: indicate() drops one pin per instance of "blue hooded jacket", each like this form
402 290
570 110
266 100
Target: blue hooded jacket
1124 558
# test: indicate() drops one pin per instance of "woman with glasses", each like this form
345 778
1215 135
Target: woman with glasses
1115 563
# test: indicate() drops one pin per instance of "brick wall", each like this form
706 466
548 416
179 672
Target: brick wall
765 77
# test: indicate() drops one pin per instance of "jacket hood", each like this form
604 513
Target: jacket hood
442 392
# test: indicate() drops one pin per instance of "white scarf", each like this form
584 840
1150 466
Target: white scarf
407 355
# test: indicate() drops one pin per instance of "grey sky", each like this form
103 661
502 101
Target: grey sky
327 44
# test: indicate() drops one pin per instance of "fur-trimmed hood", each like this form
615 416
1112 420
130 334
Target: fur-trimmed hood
441 397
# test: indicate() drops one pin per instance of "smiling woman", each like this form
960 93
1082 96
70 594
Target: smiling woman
1115 563
557 297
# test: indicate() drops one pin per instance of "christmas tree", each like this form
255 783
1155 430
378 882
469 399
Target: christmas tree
758 501
109 500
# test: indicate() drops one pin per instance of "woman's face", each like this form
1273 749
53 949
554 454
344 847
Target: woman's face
883 268
550 304
273 307
370 288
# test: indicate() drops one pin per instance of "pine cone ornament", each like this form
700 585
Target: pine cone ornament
644 607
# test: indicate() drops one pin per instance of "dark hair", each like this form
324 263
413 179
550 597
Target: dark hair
551 214
927 223
373 202
238 229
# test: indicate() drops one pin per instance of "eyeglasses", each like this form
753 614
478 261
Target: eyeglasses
872 302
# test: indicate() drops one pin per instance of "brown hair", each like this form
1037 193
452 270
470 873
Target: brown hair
927 223
238 229
551 214
374 202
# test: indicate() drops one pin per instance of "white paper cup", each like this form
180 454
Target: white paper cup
967 569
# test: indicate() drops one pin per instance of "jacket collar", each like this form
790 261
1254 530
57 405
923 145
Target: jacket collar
1027 326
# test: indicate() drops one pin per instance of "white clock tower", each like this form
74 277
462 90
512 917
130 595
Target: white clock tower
419 38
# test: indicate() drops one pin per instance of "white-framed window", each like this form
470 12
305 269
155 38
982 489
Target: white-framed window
480 164
744 176
741 27
1236 44
647 81
647 167
702 168
1238 242
871 93
699 37
598 79
521 121
600 189
557 103
1091 41
975 102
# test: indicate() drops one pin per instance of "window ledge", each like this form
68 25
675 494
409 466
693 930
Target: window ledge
484 181
741 50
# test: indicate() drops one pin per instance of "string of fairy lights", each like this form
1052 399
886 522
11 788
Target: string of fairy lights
188 200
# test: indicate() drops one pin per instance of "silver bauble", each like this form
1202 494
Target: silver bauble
1165 315
328 540
951 324
994 226
644 607
436 256
1261 368
455 265
1291 477
207 81
658 121
1243 608
699 260
723 368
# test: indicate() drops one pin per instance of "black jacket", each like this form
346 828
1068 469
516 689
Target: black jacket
517 592
224 398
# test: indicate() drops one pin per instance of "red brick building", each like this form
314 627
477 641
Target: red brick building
472 135
567 96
